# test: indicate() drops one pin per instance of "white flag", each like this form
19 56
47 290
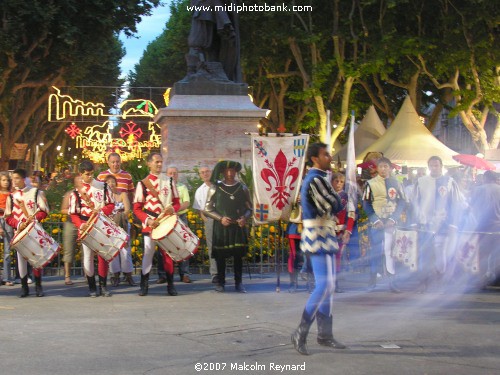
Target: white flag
278 164
350 181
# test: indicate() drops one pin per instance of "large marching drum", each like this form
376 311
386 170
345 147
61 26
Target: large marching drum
104 237
35 245
175 237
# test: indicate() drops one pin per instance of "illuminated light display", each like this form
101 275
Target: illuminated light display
132 130
72 130
138 108
166 96
97 141
63 106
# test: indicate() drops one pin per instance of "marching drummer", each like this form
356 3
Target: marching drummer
25 204
155 196
86 202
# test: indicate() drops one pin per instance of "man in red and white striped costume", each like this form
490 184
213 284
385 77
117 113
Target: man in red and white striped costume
154 196
92 197
22 205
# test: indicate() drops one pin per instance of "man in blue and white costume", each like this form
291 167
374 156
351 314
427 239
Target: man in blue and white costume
320 203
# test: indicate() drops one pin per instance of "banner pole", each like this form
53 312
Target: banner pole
278 262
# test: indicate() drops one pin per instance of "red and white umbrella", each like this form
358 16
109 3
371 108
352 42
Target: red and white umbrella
475 162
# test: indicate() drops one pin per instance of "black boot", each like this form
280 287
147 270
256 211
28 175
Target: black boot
170 285
92 286
103 290
115 279
144 284
293 281
372 284
325 332
219 288
25 291
338 289
392 284
300 335
38 286
129 279
240 288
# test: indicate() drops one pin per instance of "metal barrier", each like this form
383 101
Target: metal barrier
265 242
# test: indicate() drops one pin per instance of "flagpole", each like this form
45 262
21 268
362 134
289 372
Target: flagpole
351 184
278 271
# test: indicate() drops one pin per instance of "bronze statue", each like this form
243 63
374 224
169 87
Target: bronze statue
214 38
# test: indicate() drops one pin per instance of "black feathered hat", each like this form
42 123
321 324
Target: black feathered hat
221 166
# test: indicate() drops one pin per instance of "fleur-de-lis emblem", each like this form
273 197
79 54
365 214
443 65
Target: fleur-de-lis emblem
405 244
43 238
284 174
98 196
30 204
110 229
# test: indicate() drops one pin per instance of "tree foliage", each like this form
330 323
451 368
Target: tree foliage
46 43
163 63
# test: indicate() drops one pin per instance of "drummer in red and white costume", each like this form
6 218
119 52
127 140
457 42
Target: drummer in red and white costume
24 205
154 196
91 198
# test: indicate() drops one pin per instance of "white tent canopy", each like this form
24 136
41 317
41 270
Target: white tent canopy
408 142
368 131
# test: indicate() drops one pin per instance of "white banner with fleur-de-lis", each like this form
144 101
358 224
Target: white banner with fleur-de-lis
468 253
405 248
278 165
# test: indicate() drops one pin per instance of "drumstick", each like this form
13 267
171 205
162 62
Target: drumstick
160 217
31 217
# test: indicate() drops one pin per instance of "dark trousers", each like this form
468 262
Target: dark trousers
221 269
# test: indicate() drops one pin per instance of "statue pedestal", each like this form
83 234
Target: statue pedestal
203 129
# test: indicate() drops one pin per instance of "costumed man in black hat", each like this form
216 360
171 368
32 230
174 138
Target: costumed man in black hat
229 204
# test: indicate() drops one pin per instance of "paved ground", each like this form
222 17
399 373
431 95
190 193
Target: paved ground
408 333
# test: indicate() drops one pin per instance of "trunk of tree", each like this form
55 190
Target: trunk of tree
344 115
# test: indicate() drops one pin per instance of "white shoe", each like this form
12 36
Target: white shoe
30 281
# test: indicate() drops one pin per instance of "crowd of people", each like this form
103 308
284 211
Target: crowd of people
437 206
440 208
222 200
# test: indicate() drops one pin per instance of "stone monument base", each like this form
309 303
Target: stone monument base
200 130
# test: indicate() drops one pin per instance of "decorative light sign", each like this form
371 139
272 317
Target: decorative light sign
97 140
64 107
72 130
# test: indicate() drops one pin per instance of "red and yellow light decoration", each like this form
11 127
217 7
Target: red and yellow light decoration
96 141
72 130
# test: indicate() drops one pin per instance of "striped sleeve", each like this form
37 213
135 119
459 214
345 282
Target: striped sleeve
324 197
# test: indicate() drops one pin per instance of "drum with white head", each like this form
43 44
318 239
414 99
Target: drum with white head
104 237
176 238
35 245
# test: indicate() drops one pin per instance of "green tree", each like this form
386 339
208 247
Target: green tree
344 55
163 62
46 43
